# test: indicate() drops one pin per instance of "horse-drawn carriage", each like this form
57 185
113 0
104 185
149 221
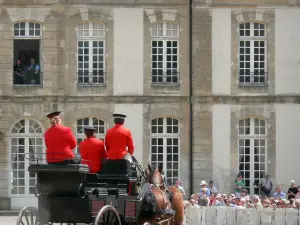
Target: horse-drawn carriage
70 194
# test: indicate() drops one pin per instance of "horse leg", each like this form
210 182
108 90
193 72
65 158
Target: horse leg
177 205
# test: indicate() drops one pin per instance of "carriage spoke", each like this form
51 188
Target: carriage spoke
28 216
108 215
112 221
31 217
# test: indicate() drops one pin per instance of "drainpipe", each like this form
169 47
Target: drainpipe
191 130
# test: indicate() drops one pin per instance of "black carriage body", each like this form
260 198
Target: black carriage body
60 180
59 188
64 209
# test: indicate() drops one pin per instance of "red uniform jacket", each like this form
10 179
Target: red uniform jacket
59 141
92 153
116 141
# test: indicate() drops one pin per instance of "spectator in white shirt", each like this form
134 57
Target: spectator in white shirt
212 187
178 185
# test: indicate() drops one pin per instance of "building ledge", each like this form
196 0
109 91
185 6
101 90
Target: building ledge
253 99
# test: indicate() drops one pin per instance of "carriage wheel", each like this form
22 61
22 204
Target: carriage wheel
108 215
29 216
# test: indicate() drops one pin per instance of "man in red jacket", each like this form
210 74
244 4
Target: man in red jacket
60 142
118 142
92 150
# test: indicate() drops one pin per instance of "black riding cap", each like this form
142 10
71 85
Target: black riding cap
88 128
119 116
53 114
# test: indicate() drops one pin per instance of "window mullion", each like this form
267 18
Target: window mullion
164 59
90 29
251 60
164 154
90 60
251 126
26 29
164 125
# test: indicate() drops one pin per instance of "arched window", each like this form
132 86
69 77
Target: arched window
165 147
252 144
252 53
91 53
27 29
165 53
94 122
26 145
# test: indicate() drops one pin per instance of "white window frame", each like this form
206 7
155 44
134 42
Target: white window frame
252 137
252 39
165 38
165 136
27 29
26 135
82 135
91 38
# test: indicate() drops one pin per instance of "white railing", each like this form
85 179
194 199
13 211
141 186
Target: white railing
234 216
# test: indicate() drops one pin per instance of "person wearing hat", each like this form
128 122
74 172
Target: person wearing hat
60 142
92 150
118 142
203 184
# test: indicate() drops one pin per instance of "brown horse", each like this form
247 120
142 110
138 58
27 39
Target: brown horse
166 197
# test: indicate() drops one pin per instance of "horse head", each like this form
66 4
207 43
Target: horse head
154 176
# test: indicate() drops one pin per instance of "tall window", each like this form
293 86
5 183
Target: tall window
91 53
252 54
165 53
252 144
27 60
26 144
94 122
165 146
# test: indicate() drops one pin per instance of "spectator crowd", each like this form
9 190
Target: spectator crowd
209 195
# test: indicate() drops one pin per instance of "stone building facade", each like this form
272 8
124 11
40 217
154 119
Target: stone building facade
132 57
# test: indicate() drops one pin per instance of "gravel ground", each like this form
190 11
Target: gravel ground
12 220
8 220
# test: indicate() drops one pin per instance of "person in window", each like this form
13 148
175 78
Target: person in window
18 73
60 142
92 151
33 72
117 139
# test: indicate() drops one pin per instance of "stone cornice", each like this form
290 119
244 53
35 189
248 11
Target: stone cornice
154 99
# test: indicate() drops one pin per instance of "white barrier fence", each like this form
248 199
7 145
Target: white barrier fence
235 216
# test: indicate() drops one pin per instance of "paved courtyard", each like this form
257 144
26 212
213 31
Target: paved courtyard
11 220
8 220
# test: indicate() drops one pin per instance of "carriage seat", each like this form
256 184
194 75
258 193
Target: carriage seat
80 168
51 179
124 178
